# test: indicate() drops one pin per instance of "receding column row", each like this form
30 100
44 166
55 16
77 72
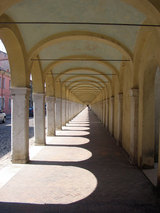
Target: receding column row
104 110
57 112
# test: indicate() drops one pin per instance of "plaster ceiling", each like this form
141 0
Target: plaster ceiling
84 73
76 11
121 39
80 47
67 65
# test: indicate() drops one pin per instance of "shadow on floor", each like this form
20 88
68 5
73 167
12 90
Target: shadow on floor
121 187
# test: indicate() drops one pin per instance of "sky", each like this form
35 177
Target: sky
2 48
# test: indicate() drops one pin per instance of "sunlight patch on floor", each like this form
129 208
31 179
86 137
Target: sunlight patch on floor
53 140
75 128
63 154
71 133
77 124
46 184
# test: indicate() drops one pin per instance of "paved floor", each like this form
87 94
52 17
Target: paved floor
5 135
80 170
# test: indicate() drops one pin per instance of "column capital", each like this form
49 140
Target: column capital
50 98
107 100
38 96
134 92
120 97
58 98
19 91
112 98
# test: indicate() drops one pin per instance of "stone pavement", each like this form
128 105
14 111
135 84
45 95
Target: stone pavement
81 170
5 135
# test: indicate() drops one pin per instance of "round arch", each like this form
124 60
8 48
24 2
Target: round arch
99 61
13 42
80 35
85 68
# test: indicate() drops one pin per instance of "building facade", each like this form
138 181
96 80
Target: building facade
5 83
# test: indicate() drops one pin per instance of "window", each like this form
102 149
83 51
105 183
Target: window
9 83
0 81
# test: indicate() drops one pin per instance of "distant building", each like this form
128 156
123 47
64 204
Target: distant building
5 83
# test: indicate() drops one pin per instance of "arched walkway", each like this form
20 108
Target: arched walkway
100 54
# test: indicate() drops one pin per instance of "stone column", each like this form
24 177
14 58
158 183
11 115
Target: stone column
63 112
39 118
50 109
67 111
120 118
134 94
70 111
58 113
69 106
107 113
112 115
20 125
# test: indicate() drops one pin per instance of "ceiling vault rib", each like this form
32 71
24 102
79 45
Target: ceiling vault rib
83 23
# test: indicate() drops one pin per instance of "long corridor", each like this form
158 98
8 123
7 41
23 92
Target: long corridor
80 170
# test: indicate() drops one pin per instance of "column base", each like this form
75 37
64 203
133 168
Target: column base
39 144
133 161
52 133
20 161
119 143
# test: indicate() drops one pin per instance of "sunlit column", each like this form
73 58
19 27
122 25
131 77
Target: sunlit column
58 113
120 118
63 112
71 110
50 110
20 125
39 118
67 111
69 106
134 94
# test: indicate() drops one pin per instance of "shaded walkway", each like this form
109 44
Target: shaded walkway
80 170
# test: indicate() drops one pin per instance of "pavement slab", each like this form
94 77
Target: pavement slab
79 170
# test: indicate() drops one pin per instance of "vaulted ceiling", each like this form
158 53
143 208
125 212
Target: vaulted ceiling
73 42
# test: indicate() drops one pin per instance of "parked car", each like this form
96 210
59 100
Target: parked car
2 117
31 112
